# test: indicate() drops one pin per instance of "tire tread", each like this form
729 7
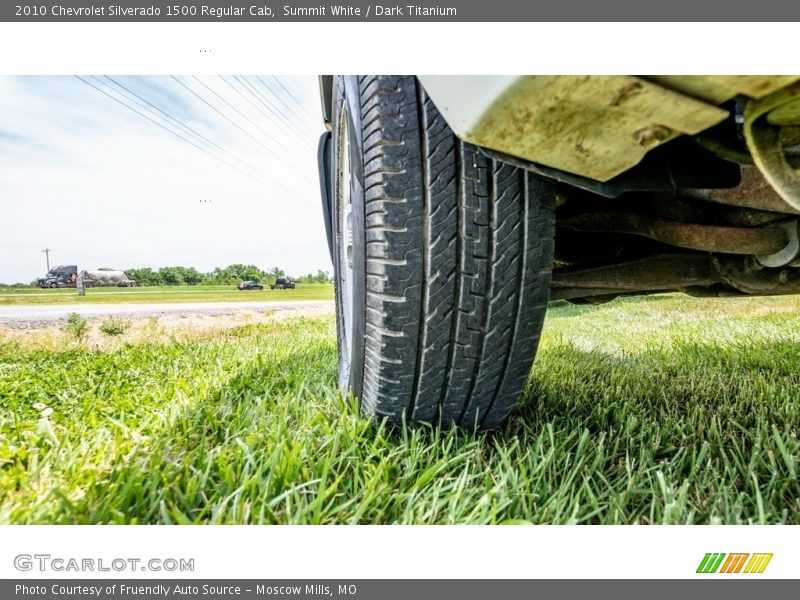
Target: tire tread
458 249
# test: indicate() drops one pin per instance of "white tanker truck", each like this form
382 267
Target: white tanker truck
104 278
68 276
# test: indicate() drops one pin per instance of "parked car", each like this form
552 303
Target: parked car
456 207
283 283
249 285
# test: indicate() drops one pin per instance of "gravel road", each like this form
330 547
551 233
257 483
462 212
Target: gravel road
38 316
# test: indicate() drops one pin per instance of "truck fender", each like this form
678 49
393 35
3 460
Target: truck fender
323 162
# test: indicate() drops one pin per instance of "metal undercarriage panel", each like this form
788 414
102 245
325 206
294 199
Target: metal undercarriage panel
596 126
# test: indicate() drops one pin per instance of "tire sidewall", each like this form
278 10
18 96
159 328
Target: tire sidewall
347 101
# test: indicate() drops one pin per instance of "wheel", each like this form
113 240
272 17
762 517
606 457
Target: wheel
53 285
442 261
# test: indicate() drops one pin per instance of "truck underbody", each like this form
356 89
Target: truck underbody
741 240
664 183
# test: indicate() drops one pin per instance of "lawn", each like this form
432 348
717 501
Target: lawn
658 410
210 293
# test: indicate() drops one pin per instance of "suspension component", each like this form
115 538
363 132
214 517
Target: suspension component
695 274
754 192
759 241
789 253
771 125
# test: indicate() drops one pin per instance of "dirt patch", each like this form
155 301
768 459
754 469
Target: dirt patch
150 328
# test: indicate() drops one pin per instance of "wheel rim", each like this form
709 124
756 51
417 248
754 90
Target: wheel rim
345 235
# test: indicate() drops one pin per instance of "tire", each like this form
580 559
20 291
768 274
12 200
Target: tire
53 285
442 260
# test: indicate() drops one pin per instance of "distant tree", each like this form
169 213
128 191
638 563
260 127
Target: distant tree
319 277
219 276
229 275
144 276
192 276
277 272
19 284
240 272
171 275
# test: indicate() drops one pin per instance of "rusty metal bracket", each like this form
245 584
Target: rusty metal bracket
761 241
694 274
669 272
765 119
753 191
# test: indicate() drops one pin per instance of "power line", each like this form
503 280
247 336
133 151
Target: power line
196 133
252 104
232 122
161 111
275 141
282 119
179 136
267 102
260 94
293 97
286 104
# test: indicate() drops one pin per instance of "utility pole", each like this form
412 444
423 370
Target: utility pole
47 257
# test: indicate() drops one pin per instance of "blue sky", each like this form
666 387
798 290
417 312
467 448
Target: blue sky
105 187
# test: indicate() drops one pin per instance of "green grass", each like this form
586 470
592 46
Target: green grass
211 293
660 410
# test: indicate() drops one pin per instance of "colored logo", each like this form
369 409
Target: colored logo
742 562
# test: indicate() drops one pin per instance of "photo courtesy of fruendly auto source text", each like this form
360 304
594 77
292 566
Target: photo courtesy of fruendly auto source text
355 299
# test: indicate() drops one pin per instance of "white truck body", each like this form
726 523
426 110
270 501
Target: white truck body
102 278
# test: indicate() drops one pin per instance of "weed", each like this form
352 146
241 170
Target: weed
114 326
76 326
